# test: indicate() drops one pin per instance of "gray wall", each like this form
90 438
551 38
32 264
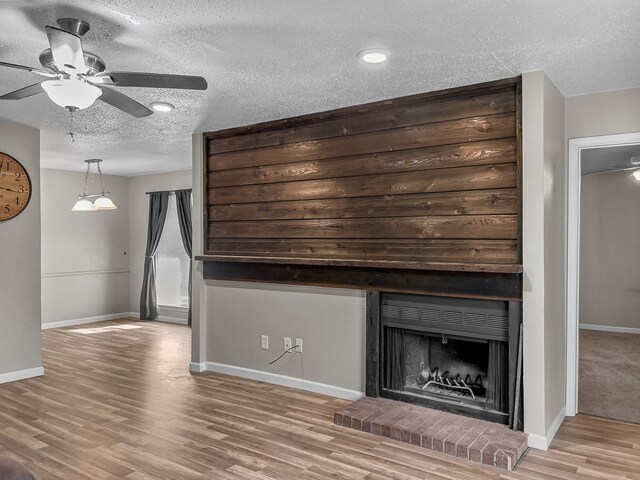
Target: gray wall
85 261
555 253
138 220
544 240
20 260
605 113
329 321
609 246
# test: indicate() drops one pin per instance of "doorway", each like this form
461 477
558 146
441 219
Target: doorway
599 324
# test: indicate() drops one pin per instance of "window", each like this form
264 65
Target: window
172 276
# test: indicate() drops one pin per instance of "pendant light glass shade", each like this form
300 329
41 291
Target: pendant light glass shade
71 93
83 205
104 203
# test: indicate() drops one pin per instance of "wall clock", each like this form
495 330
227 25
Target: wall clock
15 187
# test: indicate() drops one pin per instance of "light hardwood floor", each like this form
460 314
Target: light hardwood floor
118 402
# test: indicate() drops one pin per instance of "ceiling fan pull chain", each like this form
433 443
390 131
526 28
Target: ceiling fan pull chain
71 135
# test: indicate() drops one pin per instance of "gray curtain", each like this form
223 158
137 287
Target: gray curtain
158 206
183 201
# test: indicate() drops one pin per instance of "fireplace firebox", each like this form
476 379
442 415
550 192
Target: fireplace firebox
453 354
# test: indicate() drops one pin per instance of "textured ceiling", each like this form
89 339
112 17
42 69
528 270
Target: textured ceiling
273 59
607 159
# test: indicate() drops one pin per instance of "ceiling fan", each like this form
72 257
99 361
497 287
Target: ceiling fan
78 78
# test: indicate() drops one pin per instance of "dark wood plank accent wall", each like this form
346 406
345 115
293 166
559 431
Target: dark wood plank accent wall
427 182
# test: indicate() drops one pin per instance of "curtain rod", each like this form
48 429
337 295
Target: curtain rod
171 192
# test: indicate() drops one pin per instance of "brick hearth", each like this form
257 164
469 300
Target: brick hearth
469 438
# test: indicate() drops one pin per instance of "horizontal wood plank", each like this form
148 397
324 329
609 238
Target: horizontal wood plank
457 251
442 279
441 180
471 104
459 155
430 181
468 226
504 201
471 129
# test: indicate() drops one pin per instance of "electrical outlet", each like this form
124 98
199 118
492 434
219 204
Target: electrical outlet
264 342
287 343
299 345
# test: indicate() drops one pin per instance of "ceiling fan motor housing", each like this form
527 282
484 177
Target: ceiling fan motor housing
74 25
93 62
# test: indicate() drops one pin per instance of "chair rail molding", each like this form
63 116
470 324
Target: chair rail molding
77 273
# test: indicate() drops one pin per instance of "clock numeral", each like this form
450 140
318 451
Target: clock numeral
18 175
20 188
7 209
17 200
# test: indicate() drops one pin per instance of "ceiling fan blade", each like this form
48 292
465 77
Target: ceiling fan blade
19 67
66 49
150 80
23 92
37 71
124 103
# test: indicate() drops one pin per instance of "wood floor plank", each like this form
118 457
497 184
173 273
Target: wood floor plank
117 402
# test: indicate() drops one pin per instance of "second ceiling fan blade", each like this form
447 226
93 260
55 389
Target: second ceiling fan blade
23 92
150 80
19 67
66 49
123 102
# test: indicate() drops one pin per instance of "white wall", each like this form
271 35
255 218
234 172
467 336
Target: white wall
609 246
20 265
138 221
85 261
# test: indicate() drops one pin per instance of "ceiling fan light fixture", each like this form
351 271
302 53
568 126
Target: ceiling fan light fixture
162 106
373 55
71 93
83 205
104 203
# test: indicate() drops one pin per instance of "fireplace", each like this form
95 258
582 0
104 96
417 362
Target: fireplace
453 354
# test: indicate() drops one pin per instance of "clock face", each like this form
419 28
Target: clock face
15 187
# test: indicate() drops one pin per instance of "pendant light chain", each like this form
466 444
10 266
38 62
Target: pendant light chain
100 173
86 180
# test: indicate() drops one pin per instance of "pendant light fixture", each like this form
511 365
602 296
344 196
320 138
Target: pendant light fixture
103 202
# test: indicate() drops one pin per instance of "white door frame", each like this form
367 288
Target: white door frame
576 145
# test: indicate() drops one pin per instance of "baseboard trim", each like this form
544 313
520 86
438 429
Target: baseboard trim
83 321
606 328
175 320
198 367
21 374
164 319
541 442
276 379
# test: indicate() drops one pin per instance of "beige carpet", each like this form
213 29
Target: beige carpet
609 384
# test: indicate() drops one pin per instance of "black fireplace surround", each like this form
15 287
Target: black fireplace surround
453 354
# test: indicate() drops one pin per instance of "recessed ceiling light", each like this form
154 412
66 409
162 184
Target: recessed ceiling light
162 106
373 55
